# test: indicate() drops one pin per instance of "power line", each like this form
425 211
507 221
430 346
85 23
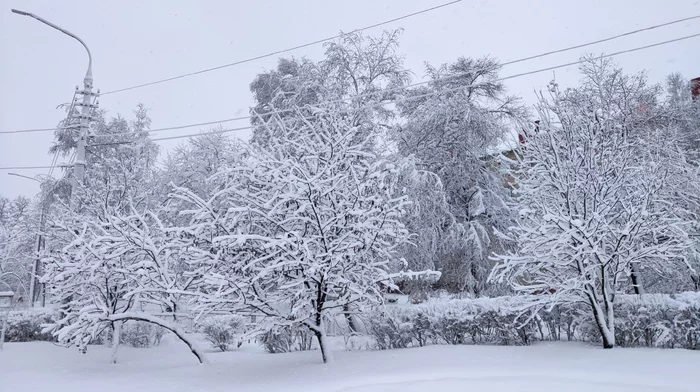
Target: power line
393 89
407 98
614 37
280 51
36 130
30 167
419 96
208 133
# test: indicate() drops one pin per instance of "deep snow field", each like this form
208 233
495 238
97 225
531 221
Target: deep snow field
543 367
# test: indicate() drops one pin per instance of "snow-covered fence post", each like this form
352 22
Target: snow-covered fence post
5 306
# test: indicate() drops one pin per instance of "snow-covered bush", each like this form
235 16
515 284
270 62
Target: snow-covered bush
557 323
467 321
659 320
224 330
140 334
391 330
645 321
451 328
686 326
649 320
286 339
27 325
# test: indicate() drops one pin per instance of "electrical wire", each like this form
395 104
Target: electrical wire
511 62
419 96
281 51
540 70
29 167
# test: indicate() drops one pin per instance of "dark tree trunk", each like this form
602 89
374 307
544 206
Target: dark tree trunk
348 318
606 343
599 317
636 280
325 354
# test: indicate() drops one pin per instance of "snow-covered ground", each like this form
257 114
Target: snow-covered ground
569 367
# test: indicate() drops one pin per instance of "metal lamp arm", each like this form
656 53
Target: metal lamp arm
64 31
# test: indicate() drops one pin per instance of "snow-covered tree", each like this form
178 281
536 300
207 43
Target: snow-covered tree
115 269
17 244
428 216
684 111
297 233
596 197
193 162
636 108
357 73
121 169
684 114
120 163
454 134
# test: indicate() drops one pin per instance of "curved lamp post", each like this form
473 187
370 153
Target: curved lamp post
88 74
79 167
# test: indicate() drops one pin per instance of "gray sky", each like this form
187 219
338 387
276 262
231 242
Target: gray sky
134 42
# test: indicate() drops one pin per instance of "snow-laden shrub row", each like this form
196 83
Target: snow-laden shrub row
501 321
658 320
26 325
223 331
651 320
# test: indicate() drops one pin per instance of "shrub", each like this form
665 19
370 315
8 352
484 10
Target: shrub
462 321
223 331
27 325
141 334
651 320
658 320
454 329
284 339
502 328
686 320
390 331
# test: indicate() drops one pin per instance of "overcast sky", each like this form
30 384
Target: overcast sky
134 42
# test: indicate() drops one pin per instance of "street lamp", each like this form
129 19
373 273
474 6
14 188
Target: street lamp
88 74
79 167
23 176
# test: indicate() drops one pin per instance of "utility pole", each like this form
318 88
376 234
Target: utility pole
46 198
85 113
85 116
79 166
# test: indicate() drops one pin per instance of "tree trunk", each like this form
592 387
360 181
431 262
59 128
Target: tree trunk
607 341
323 345
116 335
318 329
605 332
636 279
348 318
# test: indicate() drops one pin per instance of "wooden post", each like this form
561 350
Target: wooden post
5 306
